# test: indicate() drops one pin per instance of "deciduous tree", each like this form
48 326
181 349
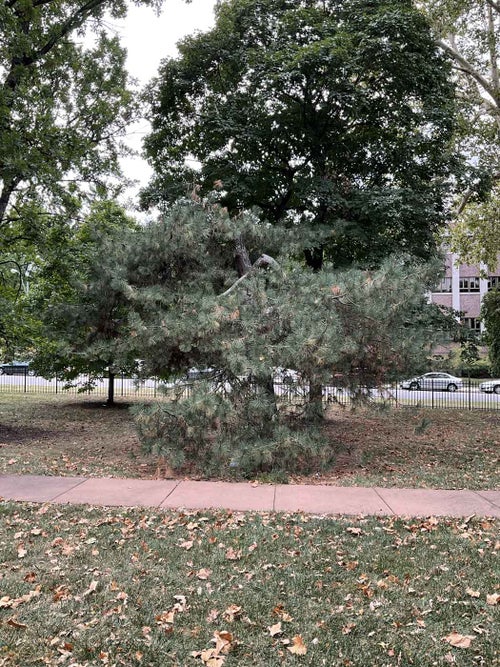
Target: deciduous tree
81 304
333 118
468 31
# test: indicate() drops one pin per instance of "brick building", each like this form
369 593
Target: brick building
463 288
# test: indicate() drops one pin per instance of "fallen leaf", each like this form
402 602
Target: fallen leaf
472 593
493 599
348 628
204 573
213 615
275 629
354 530
91 588
165 618
14 623
458 641
231 612
180 603
223 641
298 647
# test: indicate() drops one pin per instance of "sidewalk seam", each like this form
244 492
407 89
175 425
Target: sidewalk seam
86 479
179 482
384 501
274 498
491 502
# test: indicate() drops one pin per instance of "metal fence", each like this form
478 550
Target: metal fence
468 397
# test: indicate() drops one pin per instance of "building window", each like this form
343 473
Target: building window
444 285
469 284
493 282
473 323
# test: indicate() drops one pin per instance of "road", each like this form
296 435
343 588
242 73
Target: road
466 397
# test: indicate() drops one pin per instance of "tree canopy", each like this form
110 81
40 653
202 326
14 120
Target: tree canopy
468 33
82 311
331 116
65 101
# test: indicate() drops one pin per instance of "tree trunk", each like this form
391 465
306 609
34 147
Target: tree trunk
111 389
314 407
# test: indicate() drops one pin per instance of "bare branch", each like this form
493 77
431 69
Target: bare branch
263 261
471 71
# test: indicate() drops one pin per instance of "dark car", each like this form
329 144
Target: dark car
16 368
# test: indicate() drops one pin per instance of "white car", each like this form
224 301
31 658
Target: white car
490 386
434 382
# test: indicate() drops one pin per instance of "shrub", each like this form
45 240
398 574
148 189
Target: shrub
210 432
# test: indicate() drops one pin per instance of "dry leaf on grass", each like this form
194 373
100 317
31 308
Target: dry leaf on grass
275 629
298 647
458 641
204 573
14 623
91 589
11 603
348 628
215 657
472 593
493 599
231 613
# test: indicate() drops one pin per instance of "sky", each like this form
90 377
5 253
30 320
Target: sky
148 38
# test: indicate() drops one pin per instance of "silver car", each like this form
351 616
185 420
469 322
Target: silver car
490 386
434 382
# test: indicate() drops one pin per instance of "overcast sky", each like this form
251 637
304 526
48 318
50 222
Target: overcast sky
149 38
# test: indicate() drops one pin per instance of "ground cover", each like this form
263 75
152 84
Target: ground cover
406 447
83 586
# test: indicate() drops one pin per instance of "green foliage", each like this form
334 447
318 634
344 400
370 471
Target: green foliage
188 308
332 118
214 433
490 313
78 297
467 31
62 107
475 237
65 102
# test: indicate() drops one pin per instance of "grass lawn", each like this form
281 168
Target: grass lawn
82 587
62 435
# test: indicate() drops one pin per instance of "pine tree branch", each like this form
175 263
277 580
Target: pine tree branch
263 261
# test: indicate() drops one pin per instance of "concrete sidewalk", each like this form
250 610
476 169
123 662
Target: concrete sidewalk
320 499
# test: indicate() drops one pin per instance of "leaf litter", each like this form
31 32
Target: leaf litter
114 587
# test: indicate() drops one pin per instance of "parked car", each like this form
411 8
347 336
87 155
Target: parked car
16 368
490 387
434 382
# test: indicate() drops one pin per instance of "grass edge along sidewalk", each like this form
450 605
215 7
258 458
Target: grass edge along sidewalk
314 499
